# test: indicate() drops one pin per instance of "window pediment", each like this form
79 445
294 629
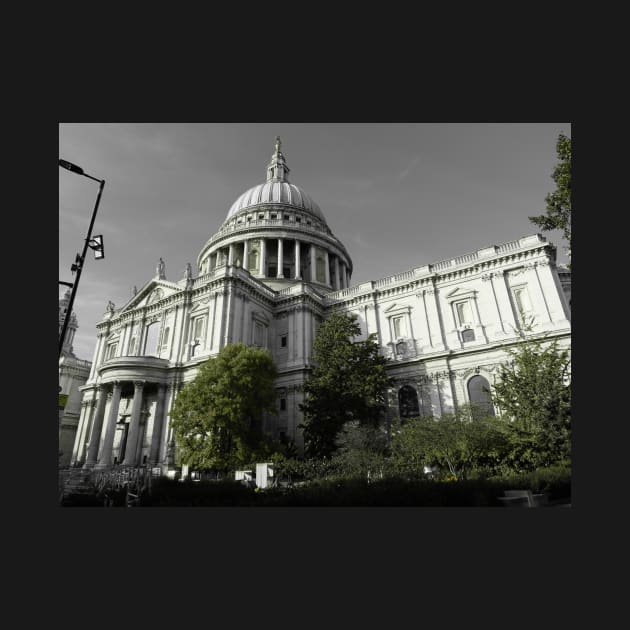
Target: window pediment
461 294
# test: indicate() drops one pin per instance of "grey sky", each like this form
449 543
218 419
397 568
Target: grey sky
397 195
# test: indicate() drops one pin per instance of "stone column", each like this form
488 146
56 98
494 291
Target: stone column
537 293
299 324
433 317
280 273
313 264
298 276
245 255
134 428
97 425
83 419
337 283
499 330
230 260
348 276
263 258
166 423
508 322
326 268
434 395
105 460
342 277
158 420
552 292
97 359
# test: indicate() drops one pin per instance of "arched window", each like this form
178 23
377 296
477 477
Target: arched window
479 394
408 406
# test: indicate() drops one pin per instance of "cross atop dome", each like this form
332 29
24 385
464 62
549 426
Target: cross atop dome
277 169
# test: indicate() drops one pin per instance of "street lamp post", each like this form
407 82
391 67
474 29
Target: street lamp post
96 244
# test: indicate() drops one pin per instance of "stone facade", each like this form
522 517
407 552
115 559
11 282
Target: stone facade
269 277
73 373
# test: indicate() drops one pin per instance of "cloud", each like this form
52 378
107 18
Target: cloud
408 169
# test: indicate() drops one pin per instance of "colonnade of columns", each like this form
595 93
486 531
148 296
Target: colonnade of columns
338 279
101 445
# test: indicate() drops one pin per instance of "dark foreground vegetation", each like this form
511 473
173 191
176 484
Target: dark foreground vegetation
340 492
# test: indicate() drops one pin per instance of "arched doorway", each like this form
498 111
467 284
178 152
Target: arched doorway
479 394
408 406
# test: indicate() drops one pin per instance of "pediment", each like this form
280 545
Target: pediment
458 293
397 308
153 291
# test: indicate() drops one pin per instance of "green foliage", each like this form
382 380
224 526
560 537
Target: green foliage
558 210
534 393
361 451
348 384
217 417
457 444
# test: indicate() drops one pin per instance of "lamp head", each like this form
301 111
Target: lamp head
71 167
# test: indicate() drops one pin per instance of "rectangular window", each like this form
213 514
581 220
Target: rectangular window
283 341
258 334
273 216
283 404
298 220
111 351
399 328
463 313
165 337
523 304
198 328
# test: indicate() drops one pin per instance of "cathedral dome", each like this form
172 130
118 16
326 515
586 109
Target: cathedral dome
280 193
276 190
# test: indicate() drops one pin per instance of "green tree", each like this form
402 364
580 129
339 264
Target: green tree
217 417
534 393
558 209
349 383
459 443
361 450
